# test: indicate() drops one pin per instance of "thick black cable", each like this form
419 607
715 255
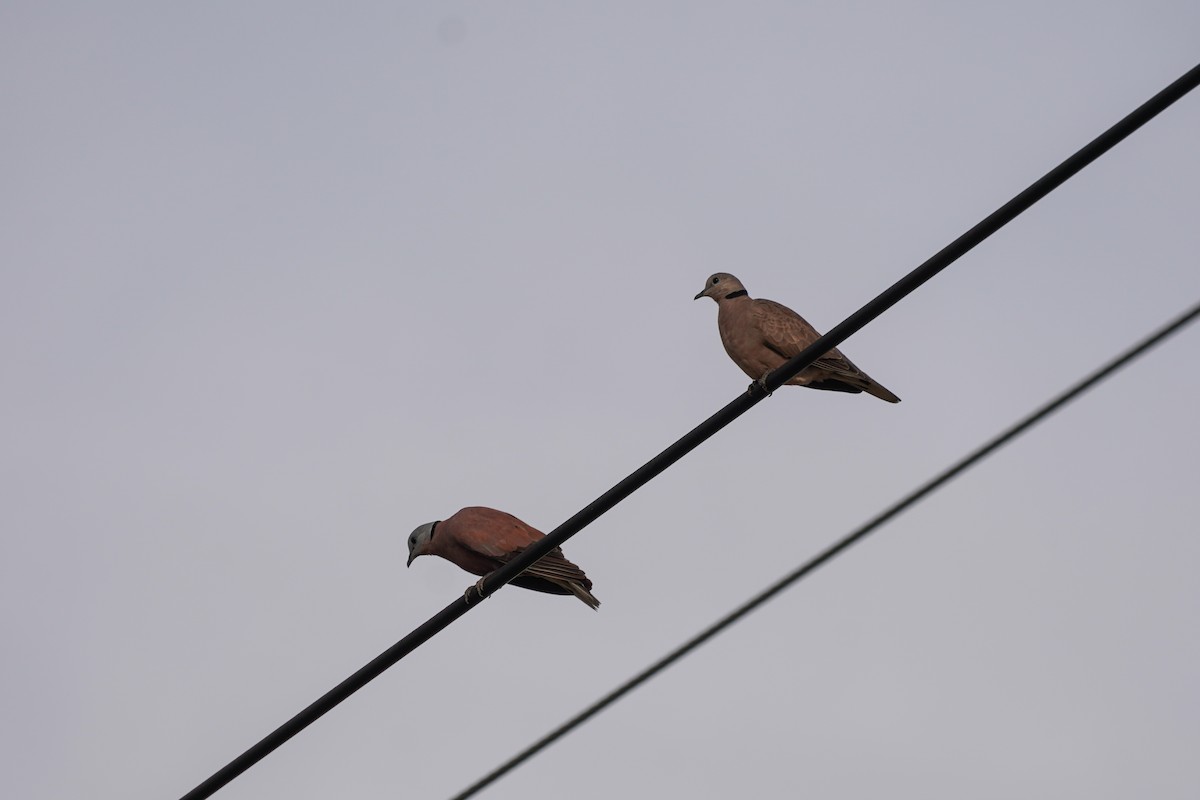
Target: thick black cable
826 555
703 431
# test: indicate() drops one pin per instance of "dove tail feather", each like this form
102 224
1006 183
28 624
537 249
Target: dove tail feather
876 390
583 594
853 384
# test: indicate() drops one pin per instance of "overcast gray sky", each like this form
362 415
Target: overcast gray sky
281 281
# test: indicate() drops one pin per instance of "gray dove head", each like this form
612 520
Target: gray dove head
418 541
720 286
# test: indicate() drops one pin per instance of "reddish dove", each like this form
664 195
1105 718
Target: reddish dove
760 335
481 540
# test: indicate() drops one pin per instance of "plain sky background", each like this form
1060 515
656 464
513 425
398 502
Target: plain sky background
280 281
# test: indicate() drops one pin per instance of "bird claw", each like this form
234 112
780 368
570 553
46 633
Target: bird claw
761 383
478 587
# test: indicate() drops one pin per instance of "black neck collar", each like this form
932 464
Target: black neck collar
738 293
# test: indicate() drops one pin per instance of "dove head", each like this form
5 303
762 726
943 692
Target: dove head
418 541
721 286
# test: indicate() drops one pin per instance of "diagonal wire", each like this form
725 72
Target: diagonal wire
834 550
691 440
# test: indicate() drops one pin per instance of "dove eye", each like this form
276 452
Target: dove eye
716 280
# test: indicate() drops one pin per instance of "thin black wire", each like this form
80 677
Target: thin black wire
826 555
701 432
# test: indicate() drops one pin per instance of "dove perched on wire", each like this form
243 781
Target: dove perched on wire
481 540
760 335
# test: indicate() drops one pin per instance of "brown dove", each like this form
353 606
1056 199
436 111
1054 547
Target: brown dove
481 540
760 335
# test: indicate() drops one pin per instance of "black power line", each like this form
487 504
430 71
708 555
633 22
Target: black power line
829 553
703 431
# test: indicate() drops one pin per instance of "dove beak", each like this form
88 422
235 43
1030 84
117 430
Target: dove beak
697 297
411 556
